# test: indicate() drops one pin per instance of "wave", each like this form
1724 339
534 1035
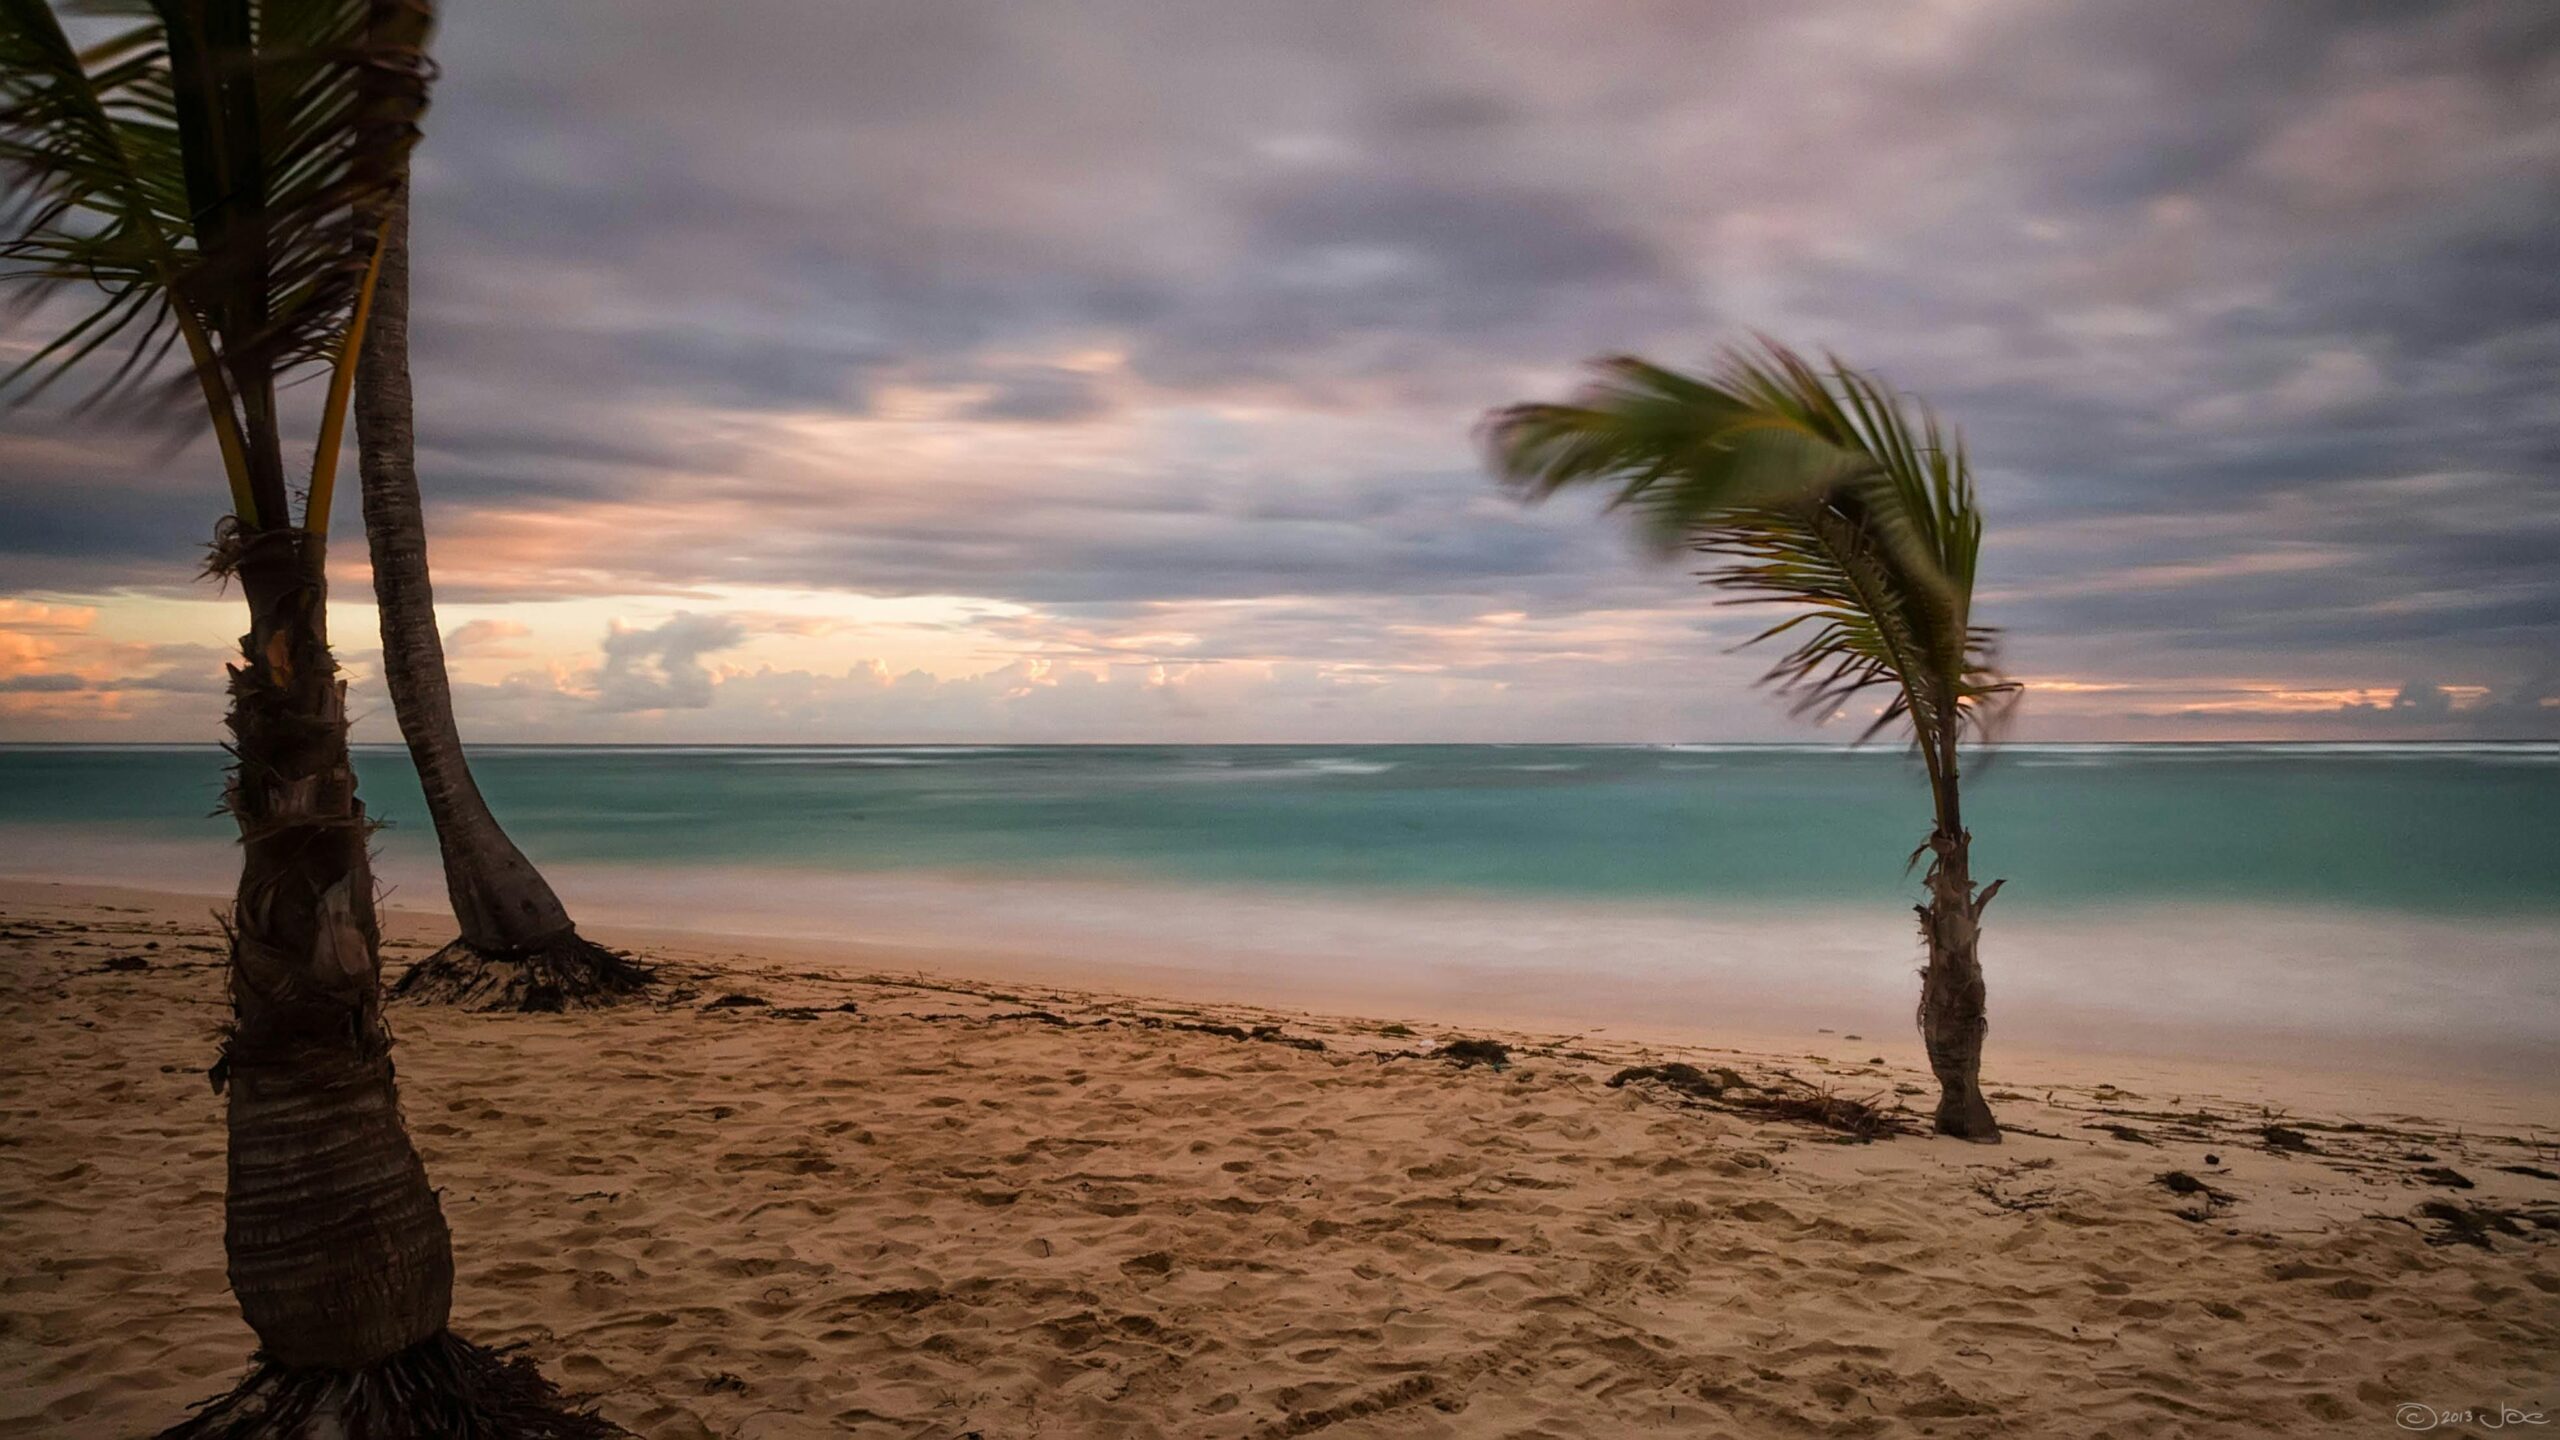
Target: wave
820 760
1222 769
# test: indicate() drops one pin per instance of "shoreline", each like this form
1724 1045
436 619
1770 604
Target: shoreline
888 1200
1844 972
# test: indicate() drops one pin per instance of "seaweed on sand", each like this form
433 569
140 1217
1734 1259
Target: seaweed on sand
2459 1224
1463 1053
1859 1120
1686 1078
2208 1199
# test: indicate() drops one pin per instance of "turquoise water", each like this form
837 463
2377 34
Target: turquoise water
2439 829
2391 906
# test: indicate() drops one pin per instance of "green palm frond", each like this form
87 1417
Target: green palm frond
1818 490
212 172
83 134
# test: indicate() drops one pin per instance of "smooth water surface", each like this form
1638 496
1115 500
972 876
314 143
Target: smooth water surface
2444 829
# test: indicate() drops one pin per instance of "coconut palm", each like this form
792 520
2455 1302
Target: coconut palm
213 174
518 949
1825 493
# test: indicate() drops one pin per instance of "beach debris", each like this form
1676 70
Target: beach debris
2286 1139
1860 1120
2209 1199
1464 1052
2125 1133
124 962
724 1381
1272 1035
1686 1078
791 1012
2473 1224
735 1001
848 1008
1037 1017
2535 1171
1863 1121
1399 1030
2445 1176
1267 1034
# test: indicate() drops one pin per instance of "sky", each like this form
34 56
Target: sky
1108 370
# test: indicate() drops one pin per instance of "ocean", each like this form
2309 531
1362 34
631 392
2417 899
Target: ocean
2398 902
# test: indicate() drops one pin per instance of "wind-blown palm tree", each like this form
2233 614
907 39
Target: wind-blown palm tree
1824 493
213 174
518 949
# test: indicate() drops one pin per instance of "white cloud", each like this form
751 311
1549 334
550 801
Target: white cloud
660 667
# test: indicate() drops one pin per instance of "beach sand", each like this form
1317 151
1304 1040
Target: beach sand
893 1200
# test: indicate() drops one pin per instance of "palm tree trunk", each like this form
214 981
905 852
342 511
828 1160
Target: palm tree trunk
518 949
1953 1018
338 1250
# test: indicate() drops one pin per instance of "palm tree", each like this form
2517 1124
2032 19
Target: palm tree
1819 492
518 949
213 173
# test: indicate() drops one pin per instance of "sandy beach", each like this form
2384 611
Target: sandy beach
927 721
819 1191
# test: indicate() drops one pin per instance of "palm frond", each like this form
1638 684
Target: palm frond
291 142
213 173
82 133
1816 489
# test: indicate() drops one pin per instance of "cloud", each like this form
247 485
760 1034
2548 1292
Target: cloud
43 683
2418 698
660 668
1046 394
1111 309
487 639
31 617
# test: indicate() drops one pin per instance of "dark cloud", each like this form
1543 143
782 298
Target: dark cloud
1039 393
2247 311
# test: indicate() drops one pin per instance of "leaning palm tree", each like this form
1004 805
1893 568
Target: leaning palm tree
1821 492
212 174
518 949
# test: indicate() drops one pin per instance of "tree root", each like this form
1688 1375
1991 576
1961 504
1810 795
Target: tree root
568 972
442 1388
